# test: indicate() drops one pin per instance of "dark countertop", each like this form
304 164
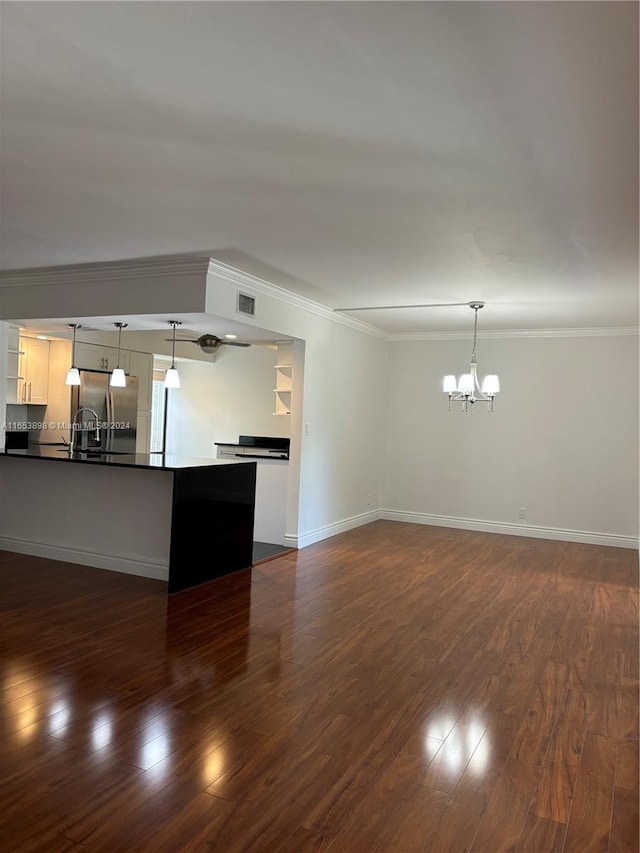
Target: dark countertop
158 461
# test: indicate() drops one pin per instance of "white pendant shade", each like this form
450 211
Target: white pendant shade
73 376
449 384
465 385
172 378
118 379
491 384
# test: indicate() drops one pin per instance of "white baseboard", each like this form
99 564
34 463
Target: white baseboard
113 563
329 530
558 533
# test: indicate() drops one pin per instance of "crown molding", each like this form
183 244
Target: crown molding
499 334
105 271
171 265
259 285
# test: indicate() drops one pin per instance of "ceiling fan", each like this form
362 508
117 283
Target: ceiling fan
210 343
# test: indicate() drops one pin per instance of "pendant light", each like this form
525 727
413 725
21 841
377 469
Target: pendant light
172 377
118 379
73 374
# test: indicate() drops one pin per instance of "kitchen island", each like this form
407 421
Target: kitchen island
181 519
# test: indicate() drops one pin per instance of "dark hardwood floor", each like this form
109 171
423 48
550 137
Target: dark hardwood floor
395 688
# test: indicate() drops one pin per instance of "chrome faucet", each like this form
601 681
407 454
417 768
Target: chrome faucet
76 428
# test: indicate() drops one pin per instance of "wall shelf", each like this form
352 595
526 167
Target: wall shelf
284 379
15 366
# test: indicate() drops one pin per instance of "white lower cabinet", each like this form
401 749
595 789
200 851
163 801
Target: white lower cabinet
271 501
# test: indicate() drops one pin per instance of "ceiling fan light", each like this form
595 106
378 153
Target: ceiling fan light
491 384
172 378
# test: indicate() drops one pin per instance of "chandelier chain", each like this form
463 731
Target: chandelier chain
475 333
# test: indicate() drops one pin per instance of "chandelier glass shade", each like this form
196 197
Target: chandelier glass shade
467 390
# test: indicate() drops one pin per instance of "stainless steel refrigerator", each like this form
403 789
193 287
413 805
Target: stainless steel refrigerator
117 409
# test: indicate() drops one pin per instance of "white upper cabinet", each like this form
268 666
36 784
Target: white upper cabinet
34 370
96 357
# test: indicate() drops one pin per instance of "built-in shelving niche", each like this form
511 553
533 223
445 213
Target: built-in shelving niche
284 377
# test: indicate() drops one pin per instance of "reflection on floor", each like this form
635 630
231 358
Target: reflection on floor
266 550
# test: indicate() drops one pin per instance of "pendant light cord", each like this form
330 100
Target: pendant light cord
75 327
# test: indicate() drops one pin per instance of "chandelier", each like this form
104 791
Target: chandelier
468 391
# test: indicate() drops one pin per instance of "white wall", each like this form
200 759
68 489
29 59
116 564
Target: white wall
338 459
345 407
220 401
562 443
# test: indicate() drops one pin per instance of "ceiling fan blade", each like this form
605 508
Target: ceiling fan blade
182 340
233 344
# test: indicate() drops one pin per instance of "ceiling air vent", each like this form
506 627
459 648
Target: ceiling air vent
246 304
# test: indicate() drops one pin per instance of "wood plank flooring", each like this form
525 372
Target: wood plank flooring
395 688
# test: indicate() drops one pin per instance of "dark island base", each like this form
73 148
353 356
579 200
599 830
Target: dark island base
211 523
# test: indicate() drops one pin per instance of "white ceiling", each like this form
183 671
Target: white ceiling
364 153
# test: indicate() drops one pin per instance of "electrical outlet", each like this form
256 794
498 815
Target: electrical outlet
522 513
369 500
